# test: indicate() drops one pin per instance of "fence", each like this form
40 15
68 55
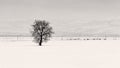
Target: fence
18 38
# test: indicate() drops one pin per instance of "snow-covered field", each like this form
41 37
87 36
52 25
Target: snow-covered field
60 54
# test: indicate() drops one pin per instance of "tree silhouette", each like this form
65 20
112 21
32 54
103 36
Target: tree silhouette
42 31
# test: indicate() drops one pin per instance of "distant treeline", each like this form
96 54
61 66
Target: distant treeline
61 35
15 35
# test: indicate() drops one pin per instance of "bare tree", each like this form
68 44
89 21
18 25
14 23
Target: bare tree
42 31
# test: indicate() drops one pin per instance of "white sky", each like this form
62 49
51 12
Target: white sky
58 10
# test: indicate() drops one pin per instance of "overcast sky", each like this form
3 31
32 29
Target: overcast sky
59 10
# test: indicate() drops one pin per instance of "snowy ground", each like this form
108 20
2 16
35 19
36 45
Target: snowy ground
60 54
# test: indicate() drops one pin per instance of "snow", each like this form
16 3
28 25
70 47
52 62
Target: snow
60 54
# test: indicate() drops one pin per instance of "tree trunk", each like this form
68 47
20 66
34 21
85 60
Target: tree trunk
40 43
